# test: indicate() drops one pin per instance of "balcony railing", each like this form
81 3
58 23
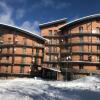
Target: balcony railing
82 52
20 43
87 71
65 51
85 31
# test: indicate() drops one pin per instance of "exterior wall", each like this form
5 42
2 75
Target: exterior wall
83 46
52 48
19 52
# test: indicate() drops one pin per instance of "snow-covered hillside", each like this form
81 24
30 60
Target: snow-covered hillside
87 88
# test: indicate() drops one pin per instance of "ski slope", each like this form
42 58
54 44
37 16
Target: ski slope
87 88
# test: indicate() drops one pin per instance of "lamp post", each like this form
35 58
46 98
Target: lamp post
68 58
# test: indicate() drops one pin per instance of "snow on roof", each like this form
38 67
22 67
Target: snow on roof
24 30
52 22
53 69
80 19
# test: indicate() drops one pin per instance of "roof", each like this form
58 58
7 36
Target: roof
33 34
53 22
90 17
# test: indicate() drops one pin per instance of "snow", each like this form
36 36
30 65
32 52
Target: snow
86 88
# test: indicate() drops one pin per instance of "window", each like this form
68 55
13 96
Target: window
9 40
81 39
50 32
98 58
50 49
81 67
98 29
81 48
98 49
25 41
23 60
8 50
80 29
37 52
81 57
50 42
98 67
1 38
98 39
49 57
23 50
0 50
89 58
22 69
55 32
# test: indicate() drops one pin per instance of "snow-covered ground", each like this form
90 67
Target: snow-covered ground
87 88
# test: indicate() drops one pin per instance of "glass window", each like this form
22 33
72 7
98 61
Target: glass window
50 32
49 57
81 48
98 67
9 40
22 69
98 39
98 29
23 60
98 48
81 39
25 41
98 58
55 32
23 50
81 67
80 29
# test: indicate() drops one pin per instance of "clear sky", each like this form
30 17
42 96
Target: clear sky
29 13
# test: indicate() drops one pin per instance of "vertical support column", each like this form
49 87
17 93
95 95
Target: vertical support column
91 39
13 52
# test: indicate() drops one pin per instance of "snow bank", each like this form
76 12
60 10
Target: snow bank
89 79
86 83
38 89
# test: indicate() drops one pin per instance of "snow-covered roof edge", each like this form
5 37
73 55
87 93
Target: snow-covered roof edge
24 30
51 22
80 19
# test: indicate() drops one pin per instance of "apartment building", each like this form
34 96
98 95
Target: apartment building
21 52
81 54
51 65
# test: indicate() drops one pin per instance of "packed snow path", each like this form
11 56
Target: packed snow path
87 88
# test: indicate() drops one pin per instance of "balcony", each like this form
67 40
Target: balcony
93 32
38 46
81 52
54 36
87 71
79 43
11 43
5 62
65 51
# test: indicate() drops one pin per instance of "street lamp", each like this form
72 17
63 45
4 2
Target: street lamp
68 58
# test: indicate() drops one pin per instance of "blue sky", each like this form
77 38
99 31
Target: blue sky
29 13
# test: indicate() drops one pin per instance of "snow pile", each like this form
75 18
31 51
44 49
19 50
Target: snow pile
87 88
89 79
86 83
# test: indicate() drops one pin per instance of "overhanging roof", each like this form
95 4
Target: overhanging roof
33 34
90 17
53 22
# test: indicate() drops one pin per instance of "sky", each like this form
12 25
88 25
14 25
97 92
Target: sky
28 14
